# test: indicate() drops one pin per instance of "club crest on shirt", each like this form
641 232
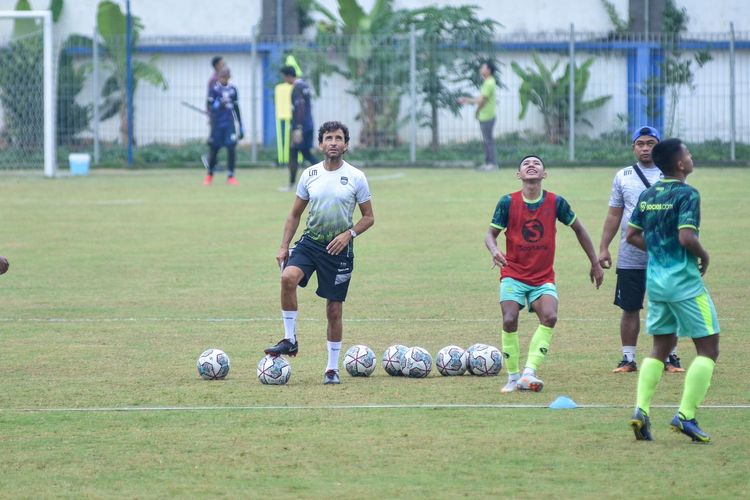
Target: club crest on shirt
344 180
532 230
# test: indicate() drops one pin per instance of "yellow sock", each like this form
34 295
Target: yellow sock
697 382
648 378
511 351
539 346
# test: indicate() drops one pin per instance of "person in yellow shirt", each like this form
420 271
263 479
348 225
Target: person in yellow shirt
485 113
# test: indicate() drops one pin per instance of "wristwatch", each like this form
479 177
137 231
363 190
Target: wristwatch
353 233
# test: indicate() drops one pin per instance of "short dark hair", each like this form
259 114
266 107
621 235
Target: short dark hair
665 154
288 71
332 127
491 66
216 60
529 156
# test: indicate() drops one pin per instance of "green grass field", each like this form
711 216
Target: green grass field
119 280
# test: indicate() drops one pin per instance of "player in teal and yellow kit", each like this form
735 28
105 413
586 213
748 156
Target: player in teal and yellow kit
665 223
528 218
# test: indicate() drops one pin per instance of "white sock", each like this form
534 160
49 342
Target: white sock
628 352
334 348
290 325
529 371
513 377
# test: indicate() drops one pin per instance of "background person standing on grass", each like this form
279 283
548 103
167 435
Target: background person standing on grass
485 113
665 223
630 289
302 123
225 110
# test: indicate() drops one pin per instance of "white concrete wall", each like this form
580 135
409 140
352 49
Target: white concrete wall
532 16
236 17
162 17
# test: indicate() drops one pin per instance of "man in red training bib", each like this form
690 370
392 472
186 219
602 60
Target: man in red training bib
527 276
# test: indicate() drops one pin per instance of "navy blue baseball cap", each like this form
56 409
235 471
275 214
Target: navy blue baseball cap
650 131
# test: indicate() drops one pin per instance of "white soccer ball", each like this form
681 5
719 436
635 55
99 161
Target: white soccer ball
359 361
471 349
274 370
452 360
392 359
486 361
417 362
213 364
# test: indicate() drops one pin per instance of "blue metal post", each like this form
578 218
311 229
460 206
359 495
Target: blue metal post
129 64
656 59
643 62
638 72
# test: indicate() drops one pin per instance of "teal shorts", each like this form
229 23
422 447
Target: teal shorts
694 318
525 295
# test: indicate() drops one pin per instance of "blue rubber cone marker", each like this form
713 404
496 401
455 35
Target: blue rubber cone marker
563 403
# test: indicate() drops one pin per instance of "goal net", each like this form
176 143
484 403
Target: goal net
26 104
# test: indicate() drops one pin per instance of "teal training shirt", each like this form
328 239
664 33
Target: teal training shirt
563 211
662 210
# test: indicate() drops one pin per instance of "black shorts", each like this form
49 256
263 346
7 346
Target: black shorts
630 289
334 271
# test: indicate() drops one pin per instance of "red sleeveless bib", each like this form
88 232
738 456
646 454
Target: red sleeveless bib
530 240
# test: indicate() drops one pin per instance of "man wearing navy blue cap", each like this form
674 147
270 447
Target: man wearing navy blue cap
630 290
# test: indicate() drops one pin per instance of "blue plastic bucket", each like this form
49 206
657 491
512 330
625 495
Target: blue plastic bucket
79 163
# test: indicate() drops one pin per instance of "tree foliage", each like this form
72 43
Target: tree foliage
21 84
21 93
550 95
622 26
452 43
72 118
112 24
375 49
376 62
675 71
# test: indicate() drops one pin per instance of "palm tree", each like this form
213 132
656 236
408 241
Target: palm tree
377 62
111 23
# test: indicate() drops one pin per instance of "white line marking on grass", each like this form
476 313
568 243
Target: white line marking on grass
425 406
118 202
148 319
387 177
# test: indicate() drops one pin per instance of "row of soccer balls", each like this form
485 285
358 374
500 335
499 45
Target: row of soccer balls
360 361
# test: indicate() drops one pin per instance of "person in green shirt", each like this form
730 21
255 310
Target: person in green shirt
665 223
485 113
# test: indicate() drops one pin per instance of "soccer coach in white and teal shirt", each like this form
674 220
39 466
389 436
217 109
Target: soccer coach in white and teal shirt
332 188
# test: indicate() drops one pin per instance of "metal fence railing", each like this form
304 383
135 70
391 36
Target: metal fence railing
398 95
